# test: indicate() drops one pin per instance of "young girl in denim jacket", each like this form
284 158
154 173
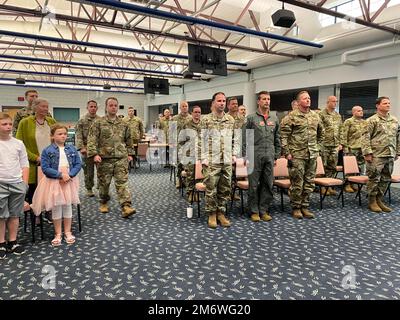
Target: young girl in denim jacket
58 190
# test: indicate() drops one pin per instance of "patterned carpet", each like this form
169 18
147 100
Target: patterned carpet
345 253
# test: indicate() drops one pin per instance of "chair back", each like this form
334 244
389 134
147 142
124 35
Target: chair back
142 150
320 167
240 169
350 165
197 171
281 168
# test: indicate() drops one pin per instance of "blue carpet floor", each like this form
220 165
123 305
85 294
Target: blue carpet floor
345 253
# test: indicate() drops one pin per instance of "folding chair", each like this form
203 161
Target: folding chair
240 181
281 177
351 174
394 179
199 186
327 183
142 152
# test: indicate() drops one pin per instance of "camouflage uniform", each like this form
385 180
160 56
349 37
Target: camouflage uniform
180 123
300 137
381 138
240 121
136 126
352 131
163 124
81 135
332 122
188 140
267 148
218 144
111 140
21 114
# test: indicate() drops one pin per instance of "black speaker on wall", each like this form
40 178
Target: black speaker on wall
121 106
283 18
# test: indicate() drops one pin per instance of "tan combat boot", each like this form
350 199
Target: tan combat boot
372 205
223 220
297 214
348 188
255 217
382 205
212 221
104 207
127 211
355 187
331 191
307 213
266 217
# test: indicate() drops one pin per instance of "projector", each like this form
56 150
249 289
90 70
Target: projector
283 18
20 81
106 87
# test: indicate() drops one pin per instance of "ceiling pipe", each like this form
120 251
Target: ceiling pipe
128 7
345 55
116 26
64 88
336 14
72 84
102 46
63 75
92 65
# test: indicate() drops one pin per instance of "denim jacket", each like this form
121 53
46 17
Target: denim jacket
50 159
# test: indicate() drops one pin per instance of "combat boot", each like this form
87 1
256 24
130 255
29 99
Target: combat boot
355 187
104 207
212 221
297 214
331 191
178 184
307 213
127 211
266 217
348 188
223 220
382 205
89 193
372 205
255 217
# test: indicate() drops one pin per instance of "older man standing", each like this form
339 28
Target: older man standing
380 146
352 131
180 120
82 132
332 122
110 145
300 135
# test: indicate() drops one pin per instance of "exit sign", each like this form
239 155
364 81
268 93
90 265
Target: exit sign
21 99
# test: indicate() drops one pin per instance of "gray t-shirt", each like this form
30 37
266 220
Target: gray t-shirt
13 159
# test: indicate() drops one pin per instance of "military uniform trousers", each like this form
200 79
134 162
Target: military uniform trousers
117 168
330 159
379 172
88 170
261 184
190 175
217 178
302 174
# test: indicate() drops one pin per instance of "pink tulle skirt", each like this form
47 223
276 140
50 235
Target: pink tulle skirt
54 192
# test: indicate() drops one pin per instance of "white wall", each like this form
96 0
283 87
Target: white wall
72 98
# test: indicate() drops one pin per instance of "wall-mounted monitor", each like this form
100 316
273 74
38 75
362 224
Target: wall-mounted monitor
207 60
156 85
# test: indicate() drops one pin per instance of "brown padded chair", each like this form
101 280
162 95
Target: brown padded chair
142 152
199 186
240 181
395 179
351 174
326 183
281 177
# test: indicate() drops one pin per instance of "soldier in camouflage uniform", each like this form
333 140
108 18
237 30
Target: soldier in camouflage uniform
294 106
30 96
218 147
233 111
188 140
242 111
163 125
81 135
267 148
180 120
136 126
352 131
332 122
300 138
380 146
110 144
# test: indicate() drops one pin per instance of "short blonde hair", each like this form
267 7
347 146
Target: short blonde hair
38 101
4 116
